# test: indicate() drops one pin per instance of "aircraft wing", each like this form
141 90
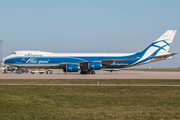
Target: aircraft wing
108 62
104 62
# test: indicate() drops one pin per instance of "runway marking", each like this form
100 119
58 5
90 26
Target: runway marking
93 85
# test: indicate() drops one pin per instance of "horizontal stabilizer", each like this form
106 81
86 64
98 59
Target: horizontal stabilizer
163 56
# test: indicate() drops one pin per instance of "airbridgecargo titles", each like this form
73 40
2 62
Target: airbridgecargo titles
88 62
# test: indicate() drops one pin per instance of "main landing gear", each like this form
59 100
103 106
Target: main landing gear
87 72
19 71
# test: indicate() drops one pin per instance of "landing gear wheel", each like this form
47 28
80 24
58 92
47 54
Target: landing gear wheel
19 72
49 72
87 72
83 72
93 72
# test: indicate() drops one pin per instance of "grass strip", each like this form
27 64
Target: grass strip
92 81
89 102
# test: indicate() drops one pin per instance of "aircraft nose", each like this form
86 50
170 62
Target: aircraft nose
4 60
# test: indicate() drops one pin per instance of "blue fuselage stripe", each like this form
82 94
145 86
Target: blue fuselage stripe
45 60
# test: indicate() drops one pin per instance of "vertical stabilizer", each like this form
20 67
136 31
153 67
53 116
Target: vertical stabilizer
164 42
161 45
157 48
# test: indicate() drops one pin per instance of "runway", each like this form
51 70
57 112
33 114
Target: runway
123 74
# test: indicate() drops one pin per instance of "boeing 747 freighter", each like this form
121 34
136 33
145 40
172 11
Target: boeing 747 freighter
88 62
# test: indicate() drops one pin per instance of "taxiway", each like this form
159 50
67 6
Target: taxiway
123 74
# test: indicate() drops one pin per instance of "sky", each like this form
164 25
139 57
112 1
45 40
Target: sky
89 26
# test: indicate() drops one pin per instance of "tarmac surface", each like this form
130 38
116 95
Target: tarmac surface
123 74
93 85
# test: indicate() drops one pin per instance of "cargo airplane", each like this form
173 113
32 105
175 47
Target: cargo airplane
88 62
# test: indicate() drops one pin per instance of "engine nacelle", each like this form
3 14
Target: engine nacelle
94 65
72 68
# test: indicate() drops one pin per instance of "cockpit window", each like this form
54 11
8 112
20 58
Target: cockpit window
14 53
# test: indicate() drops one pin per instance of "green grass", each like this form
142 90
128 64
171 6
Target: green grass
156 69
93 81
88 102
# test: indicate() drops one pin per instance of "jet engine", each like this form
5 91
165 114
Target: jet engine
94 65
72 68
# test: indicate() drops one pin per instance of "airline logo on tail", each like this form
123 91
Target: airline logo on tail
164 42
159 47
162 45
